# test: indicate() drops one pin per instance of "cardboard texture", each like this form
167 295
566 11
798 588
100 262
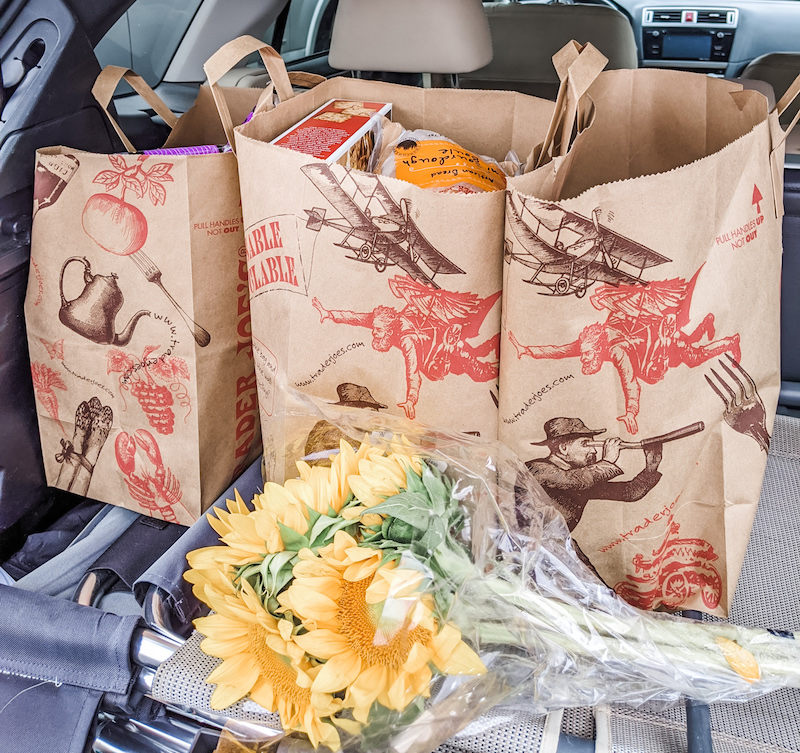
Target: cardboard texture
640 335
370 291
138 319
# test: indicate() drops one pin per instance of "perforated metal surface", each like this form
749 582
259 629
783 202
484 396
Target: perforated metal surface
180 681
579 723
498 731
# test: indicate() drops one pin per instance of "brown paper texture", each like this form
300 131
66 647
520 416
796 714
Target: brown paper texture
370 291
139 327
648 307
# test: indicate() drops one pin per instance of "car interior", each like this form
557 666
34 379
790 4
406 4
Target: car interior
51 52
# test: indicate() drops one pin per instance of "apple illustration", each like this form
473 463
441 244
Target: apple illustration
113 224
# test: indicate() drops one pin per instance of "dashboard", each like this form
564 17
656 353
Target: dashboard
712 36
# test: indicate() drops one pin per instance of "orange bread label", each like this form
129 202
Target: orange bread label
441 164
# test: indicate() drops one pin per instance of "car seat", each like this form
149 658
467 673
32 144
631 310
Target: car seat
778 69
415 36
525 36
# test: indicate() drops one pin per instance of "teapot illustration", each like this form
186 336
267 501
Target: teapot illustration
93 312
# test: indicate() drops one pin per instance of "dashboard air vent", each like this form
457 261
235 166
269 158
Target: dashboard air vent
712 16
667 16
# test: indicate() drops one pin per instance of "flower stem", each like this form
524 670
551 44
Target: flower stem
680 655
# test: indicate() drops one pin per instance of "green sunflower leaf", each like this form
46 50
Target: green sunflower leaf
438 492
249 571
431 539
383 723
414 481
279 561
263 570
292 540
273 570
282 578
411 507
320 527
313 516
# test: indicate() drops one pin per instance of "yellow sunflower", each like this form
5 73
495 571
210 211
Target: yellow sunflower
249 535
380 476
326 487
258 660
377 642
209 575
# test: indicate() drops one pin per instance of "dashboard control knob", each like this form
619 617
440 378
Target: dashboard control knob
720 35
656 33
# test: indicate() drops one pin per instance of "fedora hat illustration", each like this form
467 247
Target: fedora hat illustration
356 396
557 429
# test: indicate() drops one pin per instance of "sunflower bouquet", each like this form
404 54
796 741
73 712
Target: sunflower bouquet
381 601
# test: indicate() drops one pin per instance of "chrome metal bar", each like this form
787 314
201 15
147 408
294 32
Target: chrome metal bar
144 680
112 737
156 614
151 649
174 737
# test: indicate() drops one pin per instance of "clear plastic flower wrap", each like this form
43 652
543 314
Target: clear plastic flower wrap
408 579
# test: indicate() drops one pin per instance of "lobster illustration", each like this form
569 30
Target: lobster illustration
156 489
678 570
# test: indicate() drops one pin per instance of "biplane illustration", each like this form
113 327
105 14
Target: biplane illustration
381 232
569 252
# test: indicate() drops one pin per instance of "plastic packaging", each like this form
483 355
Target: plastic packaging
424 578
435 162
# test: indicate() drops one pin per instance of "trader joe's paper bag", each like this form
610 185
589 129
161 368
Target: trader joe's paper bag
369 291
138 320
639 372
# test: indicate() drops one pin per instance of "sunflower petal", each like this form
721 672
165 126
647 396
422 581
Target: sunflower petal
337 673
322 644
362 693
225 695
239 670
462 661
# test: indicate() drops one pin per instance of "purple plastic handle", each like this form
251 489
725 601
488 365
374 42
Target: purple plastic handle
189 150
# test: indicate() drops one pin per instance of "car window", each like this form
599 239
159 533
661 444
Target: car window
308 29
146 37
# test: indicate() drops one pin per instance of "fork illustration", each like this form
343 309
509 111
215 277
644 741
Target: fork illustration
153 274
744 412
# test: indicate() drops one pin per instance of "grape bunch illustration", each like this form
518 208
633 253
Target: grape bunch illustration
155 382
156 401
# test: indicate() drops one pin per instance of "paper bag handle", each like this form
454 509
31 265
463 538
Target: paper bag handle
106 84
783 103
227 56
298 78
578 66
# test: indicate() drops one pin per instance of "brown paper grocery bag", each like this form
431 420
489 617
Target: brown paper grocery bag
639 371
138 317
369 291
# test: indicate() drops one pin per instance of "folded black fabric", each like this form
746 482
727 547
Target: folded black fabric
167 572
41 547
133 553
41 716
50 639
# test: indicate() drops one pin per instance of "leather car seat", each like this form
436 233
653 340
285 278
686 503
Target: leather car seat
525 36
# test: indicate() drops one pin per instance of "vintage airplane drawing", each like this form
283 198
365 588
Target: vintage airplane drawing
382 232
569 252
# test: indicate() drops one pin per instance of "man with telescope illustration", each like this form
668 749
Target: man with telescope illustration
580 468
